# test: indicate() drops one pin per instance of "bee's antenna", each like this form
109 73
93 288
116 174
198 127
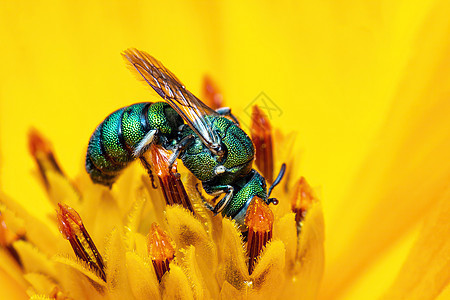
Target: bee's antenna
277 181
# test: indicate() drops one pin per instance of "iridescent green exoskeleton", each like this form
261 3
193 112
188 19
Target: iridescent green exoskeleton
210 143
125 134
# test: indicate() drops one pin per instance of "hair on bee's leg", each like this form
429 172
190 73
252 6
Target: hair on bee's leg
220 206
205 202
147 167
217 190
145 143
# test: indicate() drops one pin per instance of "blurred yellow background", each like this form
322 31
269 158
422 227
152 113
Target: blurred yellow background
340 72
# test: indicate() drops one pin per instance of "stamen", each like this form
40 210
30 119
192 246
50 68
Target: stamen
302 201
212 96
42 152
261 133
259 220
160 250
169 180
72 228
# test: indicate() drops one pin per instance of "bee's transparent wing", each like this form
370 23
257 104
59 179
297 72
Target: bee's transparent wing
169 87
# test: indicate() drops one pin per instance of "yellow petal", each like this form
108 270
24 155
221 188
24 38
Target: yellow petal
33 260
116 272
285 230
407 171
37 232
176 285
155 205
124 189
14 224
100 222
78 280
138 243
445 295
268 277
426 271
10 268
233 269
186 230
11 289
309 266
134 218
133 221
192 271
40 283
142 278
364 35
40 297
230 292
61 190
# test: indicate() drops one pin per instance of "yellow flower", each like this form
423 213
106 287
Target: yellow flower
190 254
365 86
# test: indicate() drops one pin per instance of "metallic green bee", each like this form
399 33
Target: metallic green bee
210 143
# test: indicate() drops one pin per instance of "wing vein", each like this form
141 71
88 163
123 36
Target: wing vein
194 112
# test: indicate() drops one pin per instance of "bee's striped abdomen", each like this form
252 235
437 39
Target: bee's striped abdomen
135 124
114 141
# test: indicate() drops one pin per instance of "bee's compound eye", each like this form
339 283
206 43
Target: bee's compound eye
220 169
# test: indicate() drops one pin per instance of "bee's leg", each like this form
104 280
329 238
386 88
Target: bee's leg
226 111
145 143
149 171
186 141
225 200
205 202
217 191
